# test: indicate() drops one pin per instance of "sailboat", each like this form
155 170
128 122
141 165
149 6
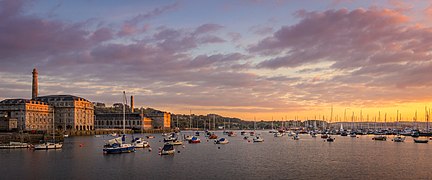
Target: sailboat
117 145
257 138
49 145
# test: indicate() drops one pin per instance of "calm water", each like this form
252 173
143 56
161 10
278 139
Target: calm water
276 158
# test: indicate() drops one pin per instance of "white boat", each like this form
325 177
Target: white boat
117 145
49 145
66 135
188 138
14 145
398 138
140 143
258 139
222 141
291 133
176 142
278 134
114 135
167 149
169 139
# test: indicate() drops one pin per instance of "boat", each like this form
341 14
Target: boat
330 139
197 133
291 133
66 135
324 136
114 135
98 136
421 140
117 145
258 139
232 134
14 145
222 141
169 139
49 145
243 133
251 133
277 134
398 138
176 142
140 143
344 133
296 137
150 137
314 134
167 149
194 140
213 136
353 134
379 138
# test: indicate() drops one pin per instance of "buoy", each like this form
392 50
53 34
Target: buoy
248 141
218 147
178 151
150 149
183 146
81 145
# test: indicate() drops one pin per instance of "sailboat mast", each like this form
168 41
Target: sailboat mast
53 127
124 112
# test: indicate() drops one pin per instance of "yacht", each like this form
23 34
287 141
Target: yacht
222 141
277 134
398 138
140 143
167 149
194 140
116 146
258 139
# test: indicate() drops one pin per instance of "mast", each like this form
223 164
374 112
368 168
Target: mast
124 112
190 119
53 127
331 116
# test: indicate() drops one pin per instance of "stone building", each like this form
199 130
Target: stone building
160 120
29 114
71 112
115 121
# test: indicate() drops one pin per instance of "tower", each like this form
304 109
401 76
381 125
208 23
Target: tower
132 104
35 84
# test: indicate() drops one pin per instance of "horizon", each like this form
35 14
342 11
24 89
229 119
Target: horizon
235 59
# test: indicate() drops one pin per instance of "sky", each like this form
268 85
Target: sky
250 59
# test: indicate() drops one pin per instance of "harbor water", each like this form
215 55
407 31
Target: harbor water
275 158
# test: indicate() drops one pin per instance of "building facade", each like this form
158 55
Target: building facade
115 121
29 114
71 112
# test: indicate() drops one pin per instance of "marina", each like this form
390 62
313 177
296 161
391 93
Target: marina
277 158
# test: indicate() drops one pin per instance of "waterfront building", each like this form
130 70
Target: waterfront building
71 112
29 114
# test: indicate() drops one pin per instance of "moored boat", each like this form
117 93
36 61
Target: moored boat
421 140
399 138
213 136
140 143
167 149
116 146
379 138
48 145
194 140
258 139
176 142
14 145
222 141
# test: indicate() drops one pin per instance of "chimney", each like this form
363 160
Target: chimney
35 84
132 104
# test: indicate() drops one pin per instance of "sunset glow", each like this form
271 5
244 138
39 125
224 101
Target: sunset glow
247 59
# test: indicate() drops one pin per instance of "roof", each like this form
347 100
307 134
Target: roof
51 98
20 101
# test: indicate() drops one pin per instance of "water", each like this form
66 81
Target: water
275 158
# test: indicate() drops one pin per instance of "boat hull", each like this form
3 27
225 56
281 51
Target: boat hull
48 146
119 150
